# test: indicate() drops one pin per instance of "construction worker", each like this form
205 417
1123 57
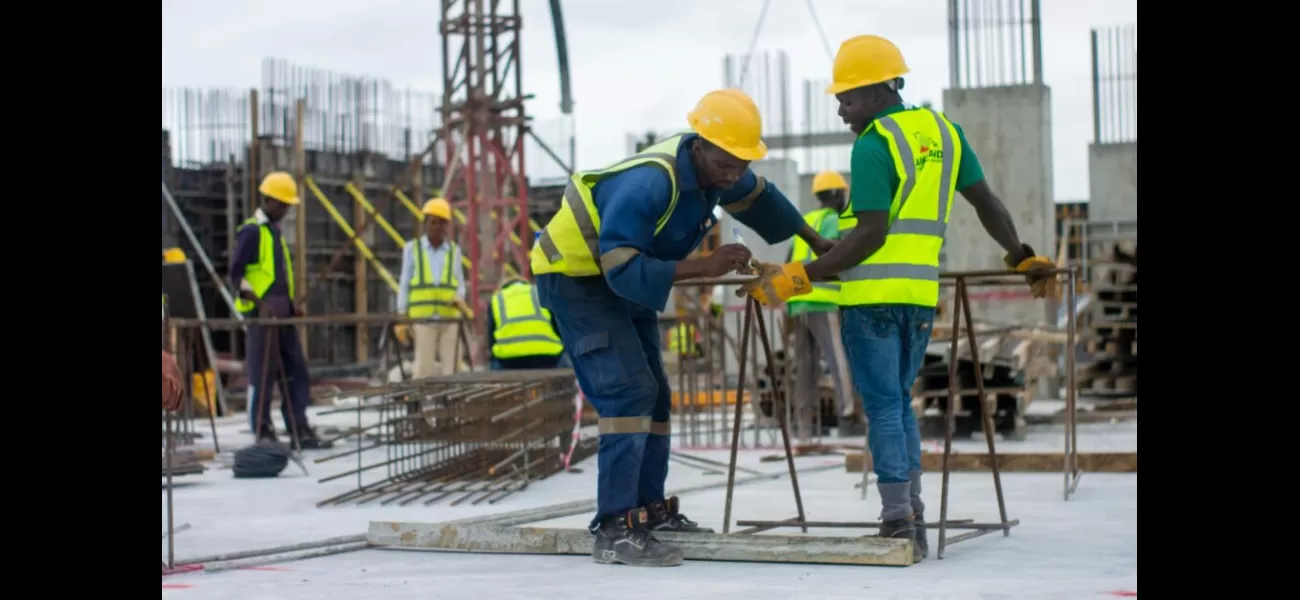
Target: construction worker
432 287
605 266
907 162
684 339
262 271
817 331
523 333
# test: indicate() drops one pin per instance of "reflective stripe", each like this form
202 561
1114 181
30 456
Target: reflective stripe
617 425
890 271
427 298
661 428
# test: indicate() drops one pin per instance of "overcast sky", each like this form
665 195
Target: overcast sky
636 65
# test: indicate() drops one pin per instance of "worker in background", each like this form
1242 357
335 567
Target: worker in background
907 164
684 339
522 335
262 271
817 331
605 266
432 288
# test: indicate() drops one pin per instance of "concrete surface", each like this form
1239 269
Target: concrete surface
1112 182
1084 548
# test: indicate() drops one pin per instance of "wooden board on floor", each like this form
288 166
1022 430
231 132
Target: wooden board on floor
1016 462
459 537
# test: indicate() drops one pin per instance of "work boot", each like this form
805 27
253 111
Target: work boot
625 540
267 435
665 516
308 439
896 518
918 512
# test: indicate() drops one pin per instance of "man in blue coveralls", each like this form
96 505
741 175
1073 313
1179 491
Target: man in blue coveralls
605 266
907 165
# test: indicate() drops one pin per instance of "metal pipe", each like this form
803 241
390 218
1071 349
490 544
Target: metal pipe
198 249
229 556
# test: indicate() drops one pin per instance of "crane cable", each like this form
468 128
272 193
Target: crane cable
753 41
826 43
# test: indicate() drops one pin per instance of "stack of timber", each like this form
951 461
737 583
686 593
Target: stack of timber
1013 358
1112 335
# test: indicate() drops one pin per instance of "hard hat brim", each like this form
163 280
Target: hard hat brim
291 201
840 87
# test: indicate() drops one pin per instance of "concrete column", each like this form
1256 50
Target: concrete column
1112 182
1009 128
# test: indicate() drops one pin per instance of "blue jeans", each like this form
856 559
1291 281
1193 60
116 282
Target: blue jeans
614 346
886 347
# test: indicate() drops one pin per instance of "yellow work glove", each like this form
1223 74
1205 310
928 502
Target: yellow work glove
777 283
1041 286
402 332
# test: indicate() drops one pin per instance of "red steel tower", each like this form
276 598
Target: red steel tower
482 143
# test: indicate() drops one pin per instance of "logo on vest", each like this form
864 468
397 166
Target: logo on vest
929 150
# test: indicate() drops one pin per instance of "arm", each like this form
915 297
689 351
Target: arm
629 205
761 206
244 254
992 213
404 280
871 192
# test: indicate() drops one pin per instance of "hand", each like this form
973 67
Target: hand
173 390
726 259
251 297
1041 286
777 283
402 332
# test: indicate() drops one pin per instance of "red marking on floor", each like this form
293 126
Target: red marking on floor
265 568
183 569
176 586
1124 593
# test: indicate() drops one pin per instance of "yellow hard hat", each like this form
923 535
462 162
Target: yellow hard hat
437 207
865 60
173 256
729 119
281 186
829 180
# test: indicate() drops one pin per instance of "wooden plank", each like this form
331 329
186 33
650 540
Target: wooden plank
1017 462
491 538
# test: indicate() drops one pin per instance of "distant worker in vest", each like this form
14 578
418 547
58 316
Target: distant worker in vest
262 270
685 340
817 322
907 164
432 288
522 335
605 266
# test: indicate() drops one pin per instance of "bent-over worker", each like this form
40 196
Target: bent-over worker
817 334
605 266
522 335
262 270
907 164
432 287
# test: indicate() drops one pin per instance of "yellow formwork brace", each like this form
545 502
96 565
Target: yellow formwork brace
374 214
351 233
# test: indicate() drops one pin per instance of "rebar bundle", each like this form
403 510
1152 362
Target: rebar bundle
475 436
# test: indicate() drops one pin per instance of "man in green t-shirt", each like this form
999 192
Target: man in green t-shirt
817 321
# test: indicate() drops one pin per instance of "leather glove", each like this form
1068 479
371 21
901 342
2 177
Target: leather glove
777 283
402 332
1041 286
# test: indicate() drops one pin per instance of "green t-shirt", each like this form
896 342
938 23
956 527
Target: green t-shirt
873 180
829 229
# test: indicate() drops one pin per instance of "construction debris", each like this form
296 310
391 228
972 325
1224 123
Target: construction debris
474 436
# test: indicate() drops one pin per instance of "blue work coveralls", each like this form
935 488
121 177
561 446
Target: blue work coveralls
610 322
260 367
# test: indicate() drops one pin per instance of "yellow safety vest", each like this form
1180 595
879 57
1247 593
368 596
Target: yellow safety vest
927 154
521 327
823 291
682 339
570 243
428 298
261 274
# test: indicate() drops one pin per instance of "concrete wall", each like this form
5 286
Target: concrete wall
1112 181
1010 130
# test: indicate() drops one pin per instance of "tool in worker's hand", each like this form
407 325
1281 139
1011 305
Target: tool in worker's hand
753 266
1041 286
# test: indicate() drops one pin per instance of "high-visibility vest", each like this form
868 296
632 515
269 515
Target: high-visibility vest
521 327
905 270
570 243
428 298
261 274
823 291
682 339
